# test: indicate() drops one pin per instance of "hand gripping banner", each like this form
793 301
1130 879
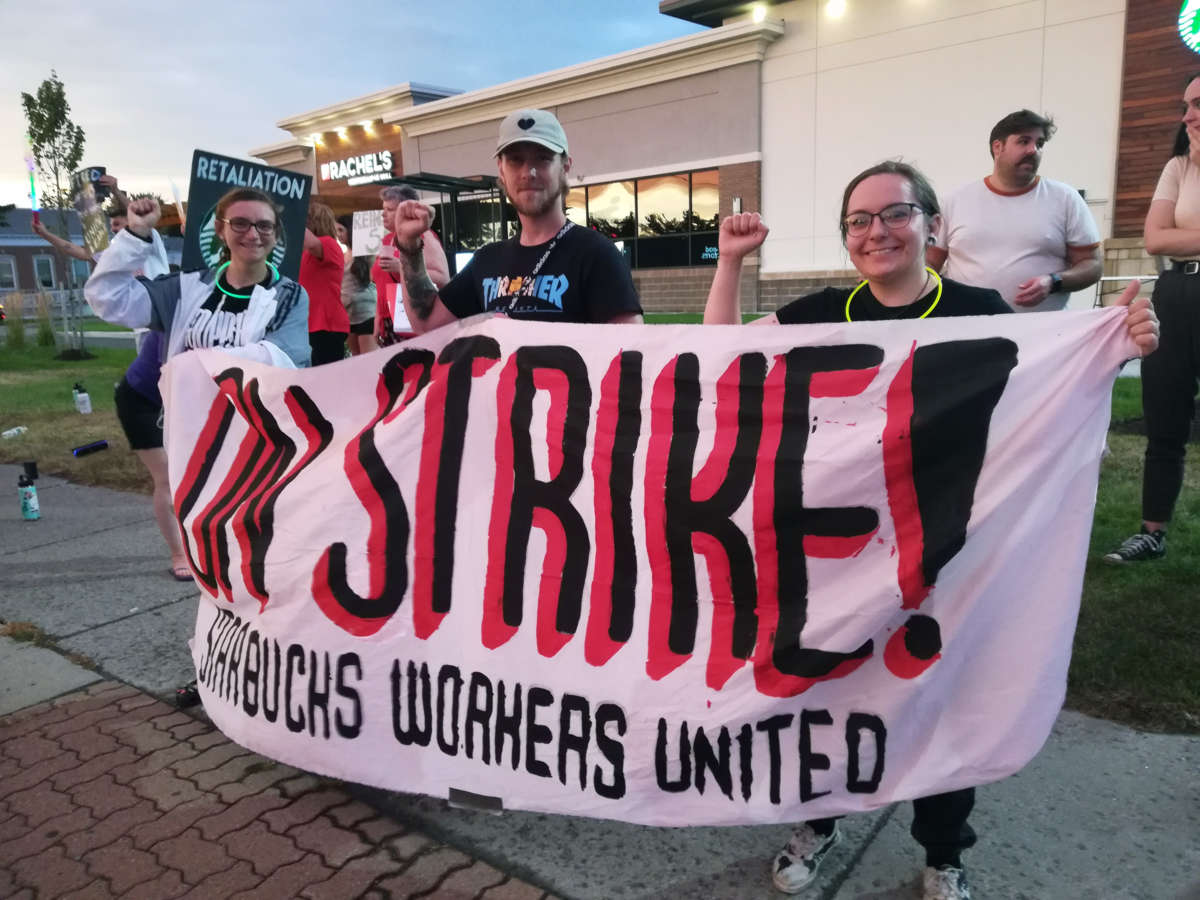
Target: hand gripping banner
674 575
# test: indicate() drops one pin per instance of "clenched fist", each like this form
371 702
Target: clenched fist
144 214
741 234
413 219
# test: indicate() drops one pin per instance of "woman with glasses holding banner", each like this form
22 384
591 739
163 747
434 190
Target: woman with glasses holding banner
244 306
889 216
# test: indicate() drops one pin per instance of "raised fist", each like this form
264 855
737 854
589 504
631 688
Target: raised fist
413 219
144 214
741 234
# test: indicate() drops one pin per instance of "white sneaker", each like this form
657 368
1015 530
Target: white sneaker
944 883
796 865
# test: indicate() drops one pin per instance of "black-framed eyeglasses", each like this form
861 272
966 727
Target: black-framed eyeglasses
895 216
241 226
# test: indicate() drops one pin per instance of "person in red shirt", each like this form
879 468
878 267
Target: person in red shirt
391 322
321 269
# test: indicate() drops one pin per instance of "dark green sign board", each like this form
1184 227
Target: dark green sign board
213 176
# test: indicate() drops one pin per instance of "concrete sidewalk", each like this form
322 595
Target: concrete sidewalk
1103 812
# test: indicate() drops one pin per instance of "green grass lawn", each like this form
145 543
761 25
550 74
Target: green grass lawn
35 391
1127 399
85 324
100 325
1135 657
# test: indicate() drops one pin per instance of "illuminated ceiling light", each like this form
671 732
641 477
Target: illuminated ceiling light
316 139
368 126
341 133
758 12
835 9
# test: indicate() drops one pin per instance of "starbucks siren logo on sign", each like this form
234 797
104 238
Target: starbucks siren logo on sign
1189 24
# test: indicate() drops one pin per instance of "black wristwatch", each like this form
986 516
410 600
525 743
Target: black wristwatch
1055 283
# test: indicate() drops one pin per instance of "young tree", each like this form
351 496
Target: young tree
57 145
57 142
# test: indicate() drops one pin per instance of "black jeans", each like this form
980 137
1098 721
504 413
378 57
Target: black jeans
1169 378
939 825
327 346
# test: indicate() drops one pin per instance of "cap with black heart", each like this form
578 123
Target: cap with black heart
534 125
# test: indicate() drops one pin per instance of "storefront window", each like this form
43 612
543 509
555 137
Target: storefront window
706 200
577 205
611 209
478 222
658 222
662 205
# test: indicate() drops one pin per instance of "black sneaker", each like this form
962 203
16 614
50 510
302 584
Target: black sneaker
1139 547
187 696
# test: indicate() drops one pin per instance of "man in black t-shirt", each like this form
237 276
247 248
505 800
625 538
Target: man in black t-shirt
554 271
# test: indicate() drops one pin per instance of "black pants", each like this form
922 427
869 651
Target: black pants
327 346
1169 378
939 825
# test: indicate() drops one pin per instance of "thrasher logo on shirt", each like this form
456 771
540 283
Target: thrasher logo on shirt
542 292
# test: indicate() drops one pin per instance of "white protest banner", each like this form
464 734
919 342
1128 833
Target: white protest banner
675 575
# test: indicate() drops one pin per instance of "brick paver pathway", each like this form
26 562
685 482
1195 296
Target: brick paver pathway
110 792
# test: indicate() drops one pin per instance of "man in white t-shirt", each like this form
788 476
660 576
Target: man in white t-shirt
1030 238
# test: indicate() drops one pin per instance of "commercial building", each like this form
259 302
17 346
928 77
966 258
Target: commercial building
773 109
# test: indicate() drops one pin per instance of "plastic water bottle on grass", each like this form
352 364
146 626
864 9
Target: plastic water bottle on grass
83 403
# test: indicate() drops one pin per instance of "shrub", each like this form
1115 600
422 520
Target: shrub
15 308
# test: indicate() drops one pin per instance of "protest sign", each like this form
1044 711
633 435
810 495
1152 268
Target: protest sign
212 177
96 234
368 231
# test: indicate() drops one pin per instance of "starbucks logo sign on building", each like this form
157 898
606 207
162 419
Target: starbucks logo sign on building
1189 24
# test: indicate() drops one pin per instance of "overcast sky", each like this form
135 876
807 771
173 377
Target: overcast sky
150 81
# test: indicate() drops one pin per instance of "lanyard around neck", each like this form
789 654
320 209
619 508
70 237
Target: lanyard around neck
512 303
938 296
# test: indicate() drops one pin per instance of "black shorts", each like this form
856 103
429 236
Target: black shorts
141 418
366 326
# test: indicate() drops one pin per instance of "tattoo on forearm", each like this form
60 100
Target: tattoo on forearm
421 294
418 285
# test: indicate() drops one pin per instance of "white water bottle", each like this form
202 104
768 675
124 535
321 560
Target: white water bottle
83 403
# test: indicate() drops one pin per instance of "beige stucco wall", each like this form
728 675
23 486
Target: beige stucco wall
927 81
670 126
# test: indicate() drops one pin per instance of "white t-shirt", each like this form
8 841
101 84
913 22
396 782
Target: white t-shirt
999 240
1179 183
